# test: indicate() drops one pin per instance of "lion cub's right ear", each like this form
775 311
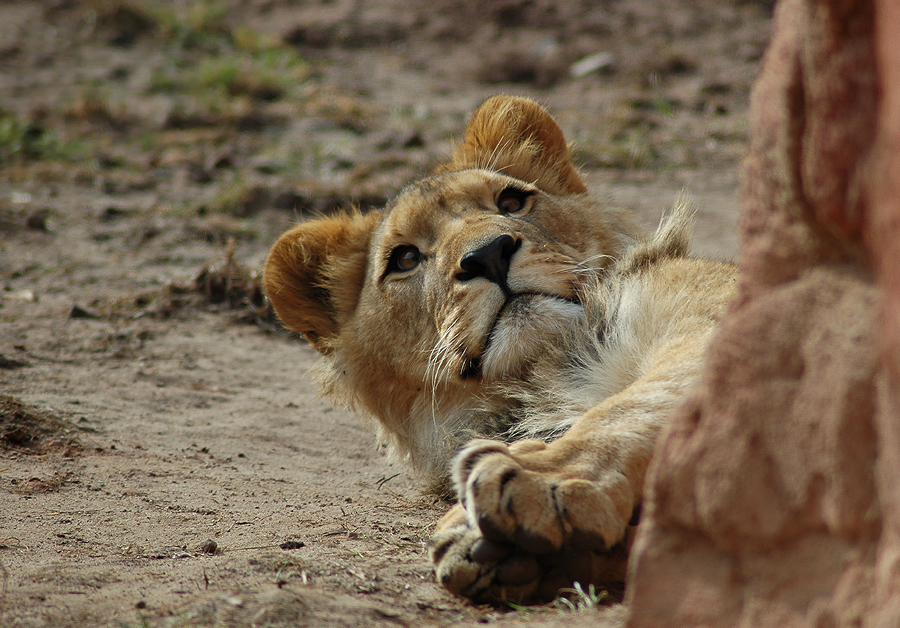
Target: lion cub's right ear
315 272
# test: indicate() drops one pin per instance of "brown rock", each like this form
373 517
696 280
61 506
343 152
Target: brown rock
775 497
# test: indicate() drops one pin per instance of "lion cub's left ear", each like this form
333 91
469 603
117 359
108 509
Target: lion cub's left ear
315 272
518 137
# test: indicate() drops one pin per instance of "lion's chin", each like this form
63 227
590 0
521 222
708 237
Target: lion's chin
526 327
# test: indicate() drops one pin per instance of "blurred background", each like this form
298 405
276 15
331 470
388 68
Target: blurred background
210 114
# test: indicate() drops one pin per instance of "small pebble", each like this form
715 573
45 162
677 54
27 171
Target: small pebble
209 546
37 220
79 312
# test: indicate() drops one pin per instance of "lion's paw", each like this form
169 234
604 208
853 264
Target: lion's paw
532 518
541 498
467 564
483 570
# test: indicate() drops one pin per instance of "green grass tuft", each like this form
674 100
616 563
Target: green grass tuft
27 140
577 599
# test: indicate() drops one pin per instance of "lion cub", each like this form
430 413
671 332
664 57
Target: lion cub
515 335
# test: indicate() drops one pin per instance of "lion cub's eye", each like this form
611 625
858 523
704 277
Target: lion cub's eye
404 258
512 200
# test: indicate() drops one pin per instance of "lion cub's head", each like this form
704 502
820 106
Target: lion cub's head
463 282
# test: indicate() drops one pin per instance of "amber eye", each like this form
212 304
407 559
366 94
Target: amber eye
511 200
404 258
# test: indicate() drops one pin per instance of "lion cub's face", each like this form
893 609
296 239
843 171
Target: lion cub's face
466 278
478 272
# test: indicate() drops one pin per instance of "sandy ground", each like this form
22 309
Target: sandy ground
165 459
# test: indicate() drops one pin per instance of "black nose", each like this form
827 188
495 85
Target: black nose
490 261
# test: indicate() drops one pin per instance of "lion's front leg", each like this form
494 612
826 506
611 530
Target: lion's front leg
539 516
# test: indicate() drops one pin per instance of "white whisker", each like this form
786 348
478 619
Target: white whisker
495 154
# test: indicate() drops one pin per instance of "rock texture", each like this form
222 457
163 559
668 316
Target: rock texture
775 497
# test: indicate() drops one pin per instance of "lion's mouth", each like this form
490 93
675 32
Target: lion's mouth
523 322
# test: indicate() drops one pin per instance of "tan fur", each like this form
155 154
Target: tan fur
571 355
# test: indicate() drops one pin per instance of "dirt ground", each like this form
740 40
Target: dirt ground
164 458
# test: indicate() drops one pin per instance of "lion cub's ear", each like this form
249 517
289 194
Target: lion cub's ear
518 137
315 272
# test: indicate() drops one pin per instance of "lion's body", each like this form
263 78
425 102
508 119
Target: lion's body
497 299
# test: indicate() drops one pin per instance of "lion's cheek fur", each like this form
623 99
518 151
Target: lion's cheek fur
377 364
420 424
